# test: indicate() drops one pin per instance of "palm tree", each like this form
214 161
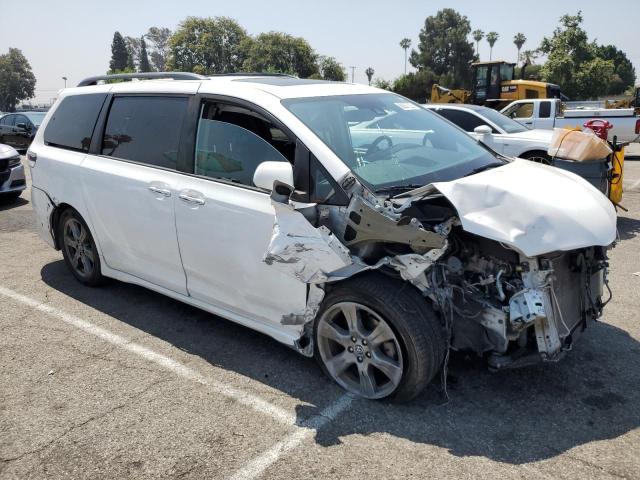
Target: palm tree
519 40
369 73
492 38
477 36
405 43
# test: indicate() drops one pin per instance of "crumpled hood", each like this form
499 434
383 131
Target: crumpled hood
534 208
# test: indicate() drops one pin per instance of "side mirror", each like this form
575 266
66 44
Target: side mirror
483 130
22 126
269 172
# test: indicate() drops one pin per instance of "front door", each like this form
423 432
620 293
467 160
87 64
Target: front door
225 224
131 187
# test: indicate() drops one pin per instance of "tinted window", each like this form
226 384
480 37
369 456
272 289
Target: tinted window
233 141
7 121
464 120
545 109
145 129
72 123
22 119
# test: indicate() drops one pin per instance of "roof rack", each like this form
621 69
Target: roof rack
174 75
148 75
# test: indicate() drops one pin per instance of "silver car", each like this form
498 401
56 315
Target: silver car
12 179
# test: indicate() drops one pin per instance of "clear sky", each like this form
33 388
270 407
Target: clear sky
72 38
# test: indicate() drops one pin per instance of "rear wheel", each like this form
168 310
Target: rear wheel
79 249
378 338
538 157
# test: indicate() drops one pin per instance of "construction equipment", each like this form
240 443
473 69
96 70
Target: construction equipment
494 85
629 102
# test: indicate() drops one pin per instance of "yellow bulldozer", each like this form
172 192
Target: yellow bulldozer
628 102
495 86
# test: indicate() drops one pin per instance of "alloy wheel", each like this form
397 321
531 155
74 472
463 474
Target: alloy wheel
360 350
77 243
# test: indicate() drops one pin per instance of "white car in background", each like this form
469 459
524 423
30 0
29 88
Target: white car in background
498 131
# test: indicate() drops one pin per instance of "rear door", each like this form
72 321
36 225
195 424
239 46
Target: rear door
6 129
468 122
225 223
130 184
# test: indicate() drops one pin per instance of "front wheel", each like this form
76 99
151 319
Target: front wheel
379 338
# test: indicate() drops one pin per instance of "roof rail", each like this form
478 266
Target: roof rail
146 75
251 74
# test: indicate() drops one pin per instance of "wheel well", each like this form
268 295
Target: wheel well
534 152
55 218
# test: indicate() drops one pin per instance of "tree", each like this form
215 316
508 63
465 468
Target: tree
133 50
119 53
144 65
283 53
532 71
443 47
17 81
369 73
159 39
519 39
573 63
382 83
477 36
416 86
330 69
207 45
624 75
492 38
405 43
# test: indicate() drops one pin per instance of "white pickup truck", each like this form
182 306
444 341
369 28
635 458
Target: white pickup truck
548 114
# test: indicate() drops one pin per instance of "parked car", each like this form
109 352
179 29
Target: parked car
548 114
12 180
18 129
260 199
497 131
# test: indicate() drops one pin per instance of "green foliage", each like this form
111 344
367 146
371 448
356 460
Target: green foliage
330 69
159 39
405 43
144 64
477 36
533 72
492 38
283 53
624 72
443 47
519 40
382 83
119 53
133 50
17 81
369 73
582 68
416 86
207 45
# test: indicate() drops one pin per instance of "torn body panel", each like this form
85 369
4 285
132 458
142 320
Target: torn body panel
43 207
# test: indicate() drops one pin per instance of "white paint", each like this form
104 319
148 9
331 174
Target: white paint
244 398
533 208
259 464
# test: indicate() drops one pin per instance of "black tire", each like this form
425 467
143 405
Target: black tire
418 330
92 276
538 157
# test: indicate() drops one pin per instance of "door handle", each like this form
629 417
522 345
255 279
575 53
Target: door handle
165 192
194 198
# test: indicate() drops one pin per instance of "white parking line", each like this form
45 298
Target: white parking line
258 465
247 399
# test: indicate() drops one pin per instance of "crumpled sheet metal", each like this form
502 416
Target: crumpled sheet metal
533 208
301 250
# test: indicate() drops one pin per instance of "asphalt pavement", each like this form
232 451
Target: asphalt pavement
120 382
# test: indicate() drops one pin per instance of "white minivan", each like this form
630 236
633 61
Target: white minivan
258 198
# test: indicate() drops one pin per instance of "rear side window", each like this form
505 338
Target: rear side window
545 109
72 123
145 129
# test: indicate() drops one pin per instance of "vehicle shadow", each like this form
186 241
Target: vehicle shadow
514 417
628 227
9 203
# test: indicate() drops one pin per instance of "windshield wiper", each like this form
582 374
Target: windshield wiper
485 167
395 188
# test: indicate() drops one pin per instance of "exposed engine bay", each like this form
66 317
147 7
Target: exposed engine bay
492 298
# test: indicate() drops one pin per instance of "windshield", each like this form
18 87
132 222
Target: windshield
502 121
35 117
390 142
